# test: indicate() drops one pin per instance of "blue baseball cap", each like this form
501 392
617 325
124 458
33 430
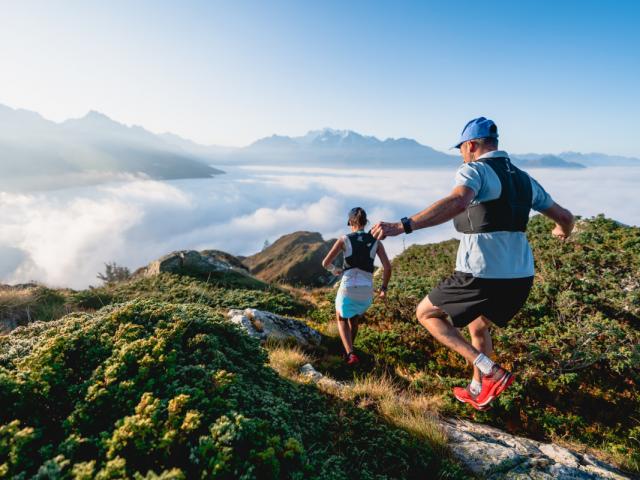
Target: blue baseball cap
477 128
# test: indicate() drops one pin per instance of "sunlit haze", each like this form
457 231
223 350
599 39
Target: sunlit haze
554 75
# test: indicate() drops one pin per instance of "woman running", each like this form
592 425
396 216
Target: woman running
355 293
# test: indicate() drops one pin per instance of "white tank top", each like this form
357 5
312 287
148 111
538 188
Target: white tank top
354 277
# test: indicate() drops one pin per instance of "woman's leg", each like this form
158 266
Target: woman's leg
344 328
353 324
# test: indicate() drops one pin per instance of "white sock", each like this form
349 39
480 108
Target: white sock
484 364
475 387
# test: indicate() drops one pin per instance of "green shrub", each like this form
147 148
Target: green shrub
575 346
148 389
186 289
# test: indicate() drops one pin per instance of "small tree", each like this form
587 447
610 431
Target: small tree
265 245
114 273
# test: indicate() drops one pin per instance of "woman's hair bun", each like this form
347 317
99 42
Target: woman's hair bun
357 217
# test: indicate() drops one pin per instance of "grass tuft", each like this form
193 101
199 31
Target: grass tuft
286 360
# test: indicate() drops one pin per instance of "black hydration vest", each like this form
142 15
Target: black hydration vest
363 248
509 212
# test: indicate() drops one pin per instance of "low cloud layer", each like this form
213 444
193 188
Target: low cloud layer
64 237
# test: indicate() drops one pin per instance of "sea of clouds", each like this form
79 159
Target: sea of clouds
63 237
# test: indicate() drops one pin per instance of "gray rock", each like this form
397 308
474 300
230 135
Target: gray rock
495 454
308 371
194 262
559 454
316 377
263 325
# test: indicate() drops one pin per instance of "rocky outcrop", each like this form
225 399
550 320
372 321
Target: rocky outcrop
495 454
264 325
294 259
193 262
219 267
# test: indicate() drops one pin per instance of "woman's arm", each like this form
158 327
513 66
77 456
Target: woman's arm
386 265
331 256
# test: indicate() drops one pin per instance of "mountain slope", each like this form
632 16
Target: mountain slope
38 153
295 259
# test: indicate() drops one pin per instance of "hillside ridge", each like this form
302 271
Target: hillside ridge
575 349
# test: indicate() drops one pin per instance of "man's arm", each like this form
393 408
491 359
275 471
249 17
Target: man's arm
563 218
441 211
386 265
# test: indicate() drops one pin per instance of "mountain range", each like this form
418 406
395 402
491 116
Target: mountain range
349 148
38 153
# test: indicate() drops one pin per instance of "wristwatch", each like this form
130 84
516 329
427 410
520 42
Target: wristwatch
406 224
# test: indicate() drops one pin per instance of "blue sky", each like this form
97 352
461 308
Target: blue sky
554 75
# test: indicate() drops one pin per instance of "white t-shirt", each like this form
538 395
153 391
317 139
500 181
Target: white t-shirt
495 254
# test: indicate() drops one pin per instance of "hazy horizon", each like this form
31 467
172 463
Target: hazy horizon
64 237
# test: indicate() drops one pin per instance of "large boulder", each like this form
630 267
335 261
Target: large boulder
264 325
493 454
214 265
294 259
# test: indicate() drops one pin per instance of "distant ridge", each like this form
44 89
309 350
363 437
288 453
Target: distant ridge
544 161
344 148
600 159
349 148
36 153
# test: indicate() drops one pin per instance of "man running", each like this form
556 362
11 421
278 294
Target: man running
490 206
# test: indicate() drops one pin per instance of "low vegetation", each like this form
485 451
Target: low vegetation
213 292
148 389
575 347
146 378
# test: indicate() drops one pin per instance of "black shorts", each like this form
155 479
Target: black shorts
465 297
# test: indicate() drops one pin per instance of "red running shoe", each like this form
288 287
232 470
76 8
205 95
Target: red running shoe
465 396
494 384
352 358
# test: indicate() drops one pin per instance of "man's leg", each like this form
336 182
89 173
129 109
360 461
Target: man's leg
481 340
495 379
344 328
435 320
